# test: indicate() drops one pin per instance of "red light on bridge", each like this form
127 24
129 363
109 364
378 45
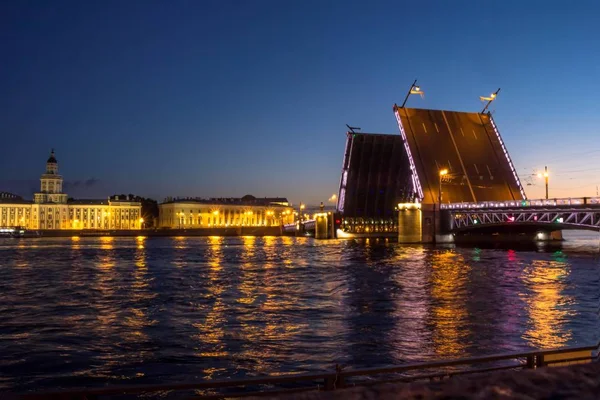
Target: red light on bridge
511 219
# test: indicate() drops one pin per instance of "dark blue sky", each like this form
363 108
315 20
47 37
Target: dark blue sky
223 98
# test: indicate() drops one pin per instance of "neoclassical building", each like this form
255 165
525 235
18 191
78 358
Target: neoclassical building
50 208
224 212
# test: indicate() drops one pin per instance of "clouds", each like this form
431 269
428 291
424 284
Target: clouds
27 187
87 183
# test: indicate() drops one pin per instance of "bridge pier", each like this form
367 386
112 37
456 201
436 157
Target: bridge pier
300 229
410 225
324 226
422 223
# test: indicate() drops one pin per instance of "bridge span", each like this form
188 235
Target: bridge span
447 173
547 215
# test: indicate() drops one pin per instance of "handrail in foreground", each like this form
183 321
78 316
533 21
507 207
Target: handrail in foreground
333 380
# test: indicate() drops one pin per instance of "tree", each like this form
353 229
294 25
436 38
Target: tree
149 208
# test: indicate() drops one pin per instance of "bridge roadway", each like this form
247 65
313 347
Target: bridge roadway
552 214
468 145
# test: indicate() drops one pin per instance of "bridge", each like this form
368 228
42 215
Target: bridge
447 172
545 215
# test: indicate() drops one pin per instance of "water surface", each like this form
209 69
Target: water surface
87 311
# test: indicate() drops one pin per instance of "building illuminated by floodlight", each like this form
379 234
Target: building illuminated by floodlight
248 211
50 208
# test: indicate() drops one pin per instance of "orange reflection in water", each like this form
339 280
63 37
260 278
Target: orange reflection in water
267 297
140 240
136 317
211 331
449 276
547 316
106 242
248 284
107 258
75 245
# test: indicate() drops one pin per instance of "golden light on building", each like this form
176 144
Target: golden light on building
51 209
228 212
409 206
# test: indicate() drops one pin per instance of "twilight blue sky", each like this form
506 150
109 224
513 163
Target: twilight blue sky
224 98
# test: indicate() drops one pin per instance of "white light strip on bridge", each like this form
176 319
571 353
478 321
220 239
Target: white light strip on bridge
571 201
342 190
512 168
415 178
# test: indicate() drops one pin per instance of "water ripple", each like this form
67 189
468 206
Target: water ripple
91 311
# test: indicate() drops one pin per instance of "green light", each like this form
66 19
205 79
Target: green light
475 221
523 203
559 220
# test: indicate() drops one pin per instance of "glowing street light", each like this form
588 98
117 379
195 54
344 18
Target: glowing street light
489 99
414 89
443 172
545 176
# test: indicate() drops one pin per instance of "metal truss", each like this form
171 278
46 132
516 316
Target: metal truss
560 218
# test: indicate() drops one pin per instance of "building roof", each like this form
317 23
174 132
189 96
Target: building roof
97 202
17 200
11 198
88 202
246 200
52 159
7 195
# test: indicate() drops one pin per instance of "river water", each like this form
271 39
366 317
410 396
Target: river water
91 311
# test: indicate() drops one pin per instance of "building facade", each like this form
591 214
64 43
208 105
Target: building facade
50 208
224 212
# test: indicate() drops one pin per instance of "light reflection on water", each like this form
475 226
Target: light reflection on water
84 311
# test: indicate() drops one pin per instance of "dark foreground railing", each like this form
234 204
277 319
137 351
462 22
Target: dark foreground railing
339 378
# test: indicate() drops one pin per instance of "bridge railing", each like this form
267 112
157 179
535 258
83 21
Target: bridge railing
571 201
339 377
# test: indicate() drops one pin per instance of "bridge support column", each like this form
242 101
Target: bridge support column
300 229
323 226
415 224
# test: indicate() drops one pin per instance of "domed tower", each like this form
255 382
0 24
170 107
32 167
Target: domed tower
51 184
52 164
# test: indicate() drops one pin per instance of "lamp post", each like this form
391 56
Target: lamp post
414 89
545 176
489 99
443 172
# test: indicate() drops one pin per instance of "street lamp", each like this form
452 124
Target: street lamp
141 223
414 89
302 207
443 172
489 99
545 176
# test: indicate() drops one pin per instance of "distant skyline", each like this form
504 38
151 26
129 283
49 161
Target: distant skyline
227 98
